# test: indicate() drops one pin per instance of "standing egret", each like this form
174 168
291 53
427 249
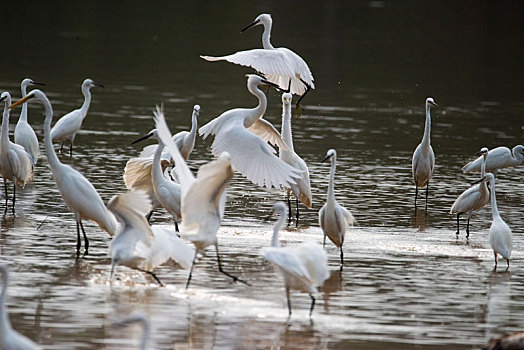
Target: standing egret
302 188
334 219
500 236
143 321
304 267
203 198
24 134
78 193
498 158
244 135
9 338
278 65
67 126
423 158
474 198
15 162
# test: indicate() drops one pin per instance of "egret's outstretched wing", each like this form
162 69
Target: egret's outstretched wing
167 245
138 171
130 209
314 259
500 157
267 132
287 261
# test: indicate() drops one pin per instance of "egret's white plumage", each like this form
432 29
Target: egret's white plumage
304 267
500 237
334 219
244 135
143 321
498 158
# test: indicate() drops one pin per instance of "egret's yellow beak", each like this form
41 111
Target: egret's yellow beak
23 100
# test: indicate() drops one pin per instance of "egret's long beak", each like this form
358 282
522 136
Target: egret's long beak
22 100
99 85
479 181
433 104
37 83
249 26
3 98
142 138
325 158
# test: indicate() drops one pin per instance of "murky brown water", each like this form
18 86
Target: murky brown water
407 283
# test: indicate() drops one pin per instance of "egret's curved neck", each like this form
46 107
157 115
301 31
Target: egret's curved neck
4 136
276 228
331 186
266 36
5 324
254 114
87 100
23 112
483 166
156 170
426 139
287 135
494 207
518 157
54 163
194 126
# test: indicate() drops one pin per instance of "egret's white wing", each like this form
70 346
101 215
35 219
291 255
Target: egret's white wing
167 245
138 171
315 260
497 158
130 209
348 217
267 132
285 259
20 162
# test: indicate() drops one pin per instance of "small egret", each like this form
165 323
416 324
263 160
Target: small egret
244 135
304 267
9 338
302 188
139 246
500 237
203 198
498 158
79 195
334 219
67 126
474 198
143 321
15 162
423 158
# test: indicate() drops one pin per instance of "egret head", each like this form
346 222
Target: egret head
490 178
196 110
431 102
6 97
28 82
286 98
279 208
483 152
518 152
88 83
329 155
264 19
256 80
152 134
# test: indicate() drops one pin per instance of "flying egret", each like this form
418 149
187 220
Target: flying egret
474 198
143 321
203 198
244 135
334 219
24 134
278 65
78 193
304 267
423 158
139 246
10 339
15 162
498 158
302 188
67 126
500 237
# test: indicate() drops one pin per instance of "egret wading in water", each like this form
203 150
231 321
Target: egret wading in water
15 162
143 321
304 267
278 65
474 198
67 126
423 158
78 193
498 158
334 219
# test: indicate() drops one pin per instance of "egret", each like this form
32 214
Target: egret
9 338
79 195
139 246
203 198
15 162
304 267
244 135
24 134
500 237
143 321
302 188
278 65
67 126
474 198
423 158
498 158
334 219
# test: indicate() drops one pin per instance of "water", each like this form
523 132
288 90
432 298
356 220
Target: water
407 282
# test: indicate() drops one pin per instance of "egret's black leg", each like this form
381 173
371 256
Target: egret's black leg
416 195
508 264
312 304
467 229
324 243
191 269
458 225
77 238
289 208
14 196
71 149
288 301
304 94
176 226
112 270
148 217
341 258
6 196
86 241
297 213
154 276
62 147
235 278
427 191
495 259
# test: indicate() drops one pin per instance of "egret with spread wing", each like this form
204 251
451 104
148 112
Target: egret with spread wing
498 158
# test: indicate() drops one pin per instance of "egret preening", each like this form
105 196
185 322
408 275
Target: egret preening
15 162
304 267
9 338
302 188
78 193
143 321
334 219
474 198
498 158
67 126
244 135
423 158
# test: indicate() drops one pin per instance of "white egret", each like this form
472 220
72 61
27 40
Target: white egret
244 135
278 65
302 188
334 219
24 134
67 126
143 321
423 161
15 162
500 237
203 197
10 339
79 195
138 245
304 267
474 198
498 158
